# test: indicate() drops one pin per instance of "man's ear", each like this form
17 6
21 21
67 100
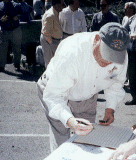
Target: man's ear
97 39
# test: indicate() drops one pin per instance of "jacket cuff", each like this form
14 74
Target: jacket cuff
64 116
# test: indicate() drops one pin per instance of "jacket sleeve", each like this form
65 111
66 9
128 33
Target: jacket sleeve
47 26
93 23
56 92
84 24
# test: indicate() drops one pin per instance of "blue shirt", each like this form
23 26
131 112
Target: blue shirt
11 9
25 11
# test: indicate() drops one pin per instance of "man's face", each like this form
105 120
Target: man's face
75 6
104 6
60 6
128 11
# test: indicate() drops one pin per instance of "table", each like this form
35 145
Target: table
74 151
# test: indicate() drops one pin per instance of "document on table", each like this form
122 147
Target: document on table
74 151
106 136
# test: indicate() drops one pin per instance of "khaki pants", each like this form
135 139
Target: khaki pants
48 50
81 109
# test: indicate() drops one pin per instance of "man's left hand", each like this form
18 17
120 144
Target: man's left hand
109 117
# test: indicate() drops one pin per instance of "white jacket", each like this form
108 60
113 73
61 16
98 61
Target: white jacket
73 74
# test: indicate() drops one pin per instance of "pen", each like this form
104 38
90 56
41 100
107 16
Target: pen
80 122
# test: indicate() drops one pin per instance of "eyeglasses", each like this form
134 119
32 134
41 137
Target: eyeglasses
103 5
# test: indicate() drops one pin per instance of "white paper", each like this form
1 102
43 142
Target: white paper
71 151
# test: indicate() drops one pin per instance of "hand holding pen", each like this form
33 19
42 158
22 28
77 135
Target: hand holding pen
80 126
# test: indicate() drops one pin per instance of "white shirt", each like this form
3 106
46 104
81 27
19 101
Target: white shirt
125 21
74 74
132 24
72 22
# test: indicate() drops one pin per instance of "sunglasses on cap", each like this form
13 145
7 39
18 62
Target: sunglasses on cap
103 5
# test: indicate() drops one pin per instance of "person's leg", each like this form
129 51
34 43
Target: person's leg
54 45
132 76
47 52
16 45
4 42
9 57
58 133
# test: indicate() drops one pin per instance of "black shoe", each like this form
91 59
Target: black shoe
133 102
2 69
101 92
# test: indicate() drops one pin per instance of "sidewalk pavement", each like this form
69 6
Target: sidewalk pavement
23 127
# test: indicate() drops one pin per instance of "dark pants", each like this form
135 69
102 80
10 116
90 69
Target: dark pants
14 38
132 70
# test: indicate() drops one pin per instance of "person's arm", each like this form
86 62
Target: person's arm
31 12
114 94
84 24
118 20
60 82
125 150
47 26
93 24
61 19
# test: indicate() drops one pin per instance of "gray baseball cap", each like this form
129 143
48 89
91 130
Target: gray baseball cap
114 42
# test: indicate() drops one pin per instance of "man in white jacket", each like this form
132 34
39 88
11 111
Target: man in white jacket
83 65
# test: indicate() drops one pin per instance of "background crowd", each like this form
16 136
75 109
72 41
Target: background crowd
58 21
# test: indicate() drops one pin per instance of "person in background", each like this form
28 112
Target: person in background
38 8
129 12
132 58
10 32
126 149
129 9
103 17
48 4
84 64
51 32
72 19
26 11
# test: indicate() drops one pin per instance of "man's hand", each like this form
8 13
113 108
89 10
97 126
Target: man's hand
4 18
80 126
109 117
125 149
